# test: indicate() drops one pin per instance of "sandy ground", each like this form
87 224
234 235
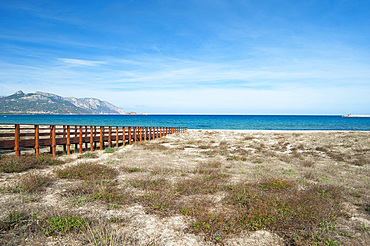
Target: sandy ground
318 157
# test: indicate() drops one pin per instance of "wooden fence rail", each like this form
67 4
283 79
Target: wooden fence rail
36 136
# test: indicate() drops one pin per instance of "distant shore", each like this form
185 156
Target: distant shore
356 115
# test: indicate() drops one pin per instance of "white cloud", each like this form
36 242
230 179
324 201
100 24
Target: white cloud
79 62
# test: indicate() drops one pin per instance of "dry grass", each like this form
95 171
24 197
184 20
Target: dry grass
32 182
108 192
198 188
87 171
9 164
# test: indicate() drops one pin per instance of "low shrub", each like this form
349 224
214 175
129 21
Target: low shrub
9 164
199 185
110 150
130 169
32 182
87 171
64 225
84 192
88 155
12 220
275 184
285 210
160 202
150 184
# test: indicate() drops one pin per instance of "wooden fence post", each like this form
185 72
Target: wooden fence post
53 140
37 141
68 140
101 137
80 139
16 140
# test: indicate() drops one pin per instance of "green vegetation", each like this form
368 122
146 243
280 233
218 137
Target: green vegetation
110 150
64 224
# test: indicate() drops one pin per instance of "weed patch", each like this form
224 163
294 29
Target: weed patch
287 210
276 184
32 182
88 155
9 164
151 184
162 203
85 192
87 171
200 185
13 219
64 225
130 169
110 150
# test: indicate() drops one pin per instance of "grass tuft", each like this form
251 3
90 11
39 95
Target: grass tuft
9 164
32 182
87 171
110 150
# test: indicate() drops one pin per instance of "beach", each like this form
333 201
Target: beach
357 116
202 187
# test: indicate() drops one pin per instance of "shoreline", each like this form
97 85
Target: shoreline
277 131
356 116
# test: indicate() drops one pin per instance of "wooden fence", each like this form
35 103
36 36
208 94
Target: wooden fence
15 137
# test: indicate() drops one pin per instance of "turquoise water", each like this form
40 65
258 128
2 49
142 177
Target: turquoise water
236 122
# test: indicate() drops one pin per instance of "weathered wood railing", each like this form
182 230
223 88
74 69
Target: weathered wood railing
15 137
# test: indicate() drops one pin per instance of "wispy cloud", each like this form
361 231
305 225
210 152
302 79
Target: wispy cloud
79 62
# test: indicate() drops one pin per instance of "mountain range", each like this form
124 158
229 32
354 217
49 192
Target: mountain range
48 103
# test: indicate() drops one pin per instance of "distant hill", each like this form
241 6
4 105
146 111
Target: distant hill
47 103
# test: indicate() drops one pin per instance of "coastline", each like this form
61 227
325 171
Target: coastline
356 116
278 131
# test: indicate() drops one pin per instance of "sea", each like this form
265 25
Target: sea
226 122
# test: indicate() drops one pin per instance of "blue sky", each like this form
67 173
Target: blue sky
202 56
